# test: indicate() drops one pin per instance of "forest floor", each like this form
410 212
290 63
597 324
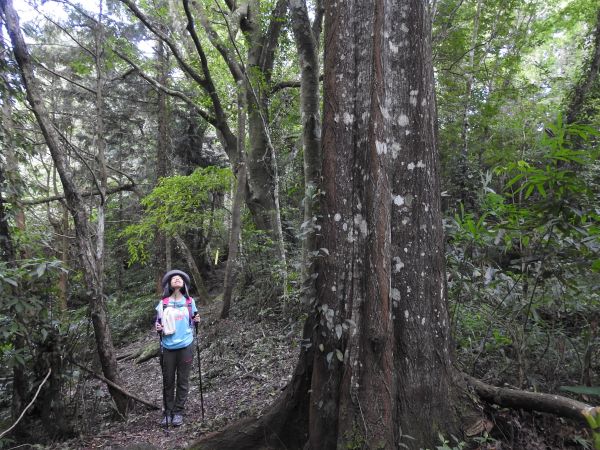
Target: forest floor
246 363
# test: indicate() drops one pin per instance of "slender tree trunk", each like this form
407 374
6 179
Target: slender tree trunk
63 277
464 174
162 62
307 43
8 252
196 275
236 211
75 204
100 148
8 255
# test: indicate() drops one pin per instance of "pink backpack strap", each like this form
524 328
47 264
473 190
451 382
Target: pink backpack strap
188 302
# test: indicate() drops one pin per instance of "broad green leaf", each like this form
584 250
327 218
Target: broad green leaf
587 390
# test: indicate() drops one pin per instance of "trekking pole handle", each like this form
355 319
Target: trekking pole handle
195 323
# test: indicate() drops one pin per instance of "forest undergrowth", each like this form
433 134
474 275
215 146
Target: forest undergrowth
246 362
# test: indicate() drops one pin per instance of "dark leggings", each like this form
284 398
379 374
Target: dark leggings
177 362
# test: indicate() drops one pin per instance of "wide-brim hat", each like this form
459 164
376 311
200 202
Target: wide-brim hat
166 279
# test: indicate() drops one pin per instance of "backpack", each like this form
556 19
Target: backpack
188 303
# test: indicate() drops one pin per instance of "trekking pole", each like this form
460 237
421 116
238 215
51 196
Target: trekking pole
162 372
199 369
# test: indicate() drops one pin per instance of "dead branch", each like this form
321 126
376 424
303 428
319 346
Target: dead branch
114 386
39 201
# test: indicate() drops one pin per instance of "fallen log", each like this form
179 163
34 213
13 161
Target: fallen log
148 352
536 401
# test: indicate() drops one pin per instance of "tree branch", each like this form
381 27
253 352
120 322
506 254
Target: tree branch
220 122
64 30
39 201
234 67
317 24
46 68
267 57
162 36
288 84
113 385
173 93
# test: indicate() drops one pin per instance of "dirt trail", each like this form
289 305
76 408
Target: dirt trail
245 365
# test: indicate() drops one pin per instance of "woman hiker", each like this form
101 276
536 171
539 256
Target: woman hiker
175 318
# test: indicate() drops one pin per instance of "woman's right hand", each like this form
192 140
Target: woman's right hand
158 327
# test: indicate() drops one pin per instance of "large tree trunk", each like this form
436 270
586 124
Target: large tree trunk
77 209
262 195
422 355
379 334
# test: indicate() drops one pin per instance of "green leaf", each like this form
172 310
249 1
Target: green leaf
514 180
589 390
11 282
529 190
541 190
40 270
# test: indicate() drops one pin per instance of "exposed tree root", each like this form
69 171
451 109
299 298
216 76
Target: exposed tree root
285 424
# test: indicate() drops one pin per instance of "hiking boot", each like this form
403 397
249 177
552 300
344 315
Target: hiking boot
166 420
177 420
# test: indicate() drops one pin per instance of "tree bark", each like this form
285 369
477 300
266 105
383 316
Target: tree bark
262 194
307 43
422 358
196 275
8 252
379 333
236 212
533 401
162 63
74 202
582 89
